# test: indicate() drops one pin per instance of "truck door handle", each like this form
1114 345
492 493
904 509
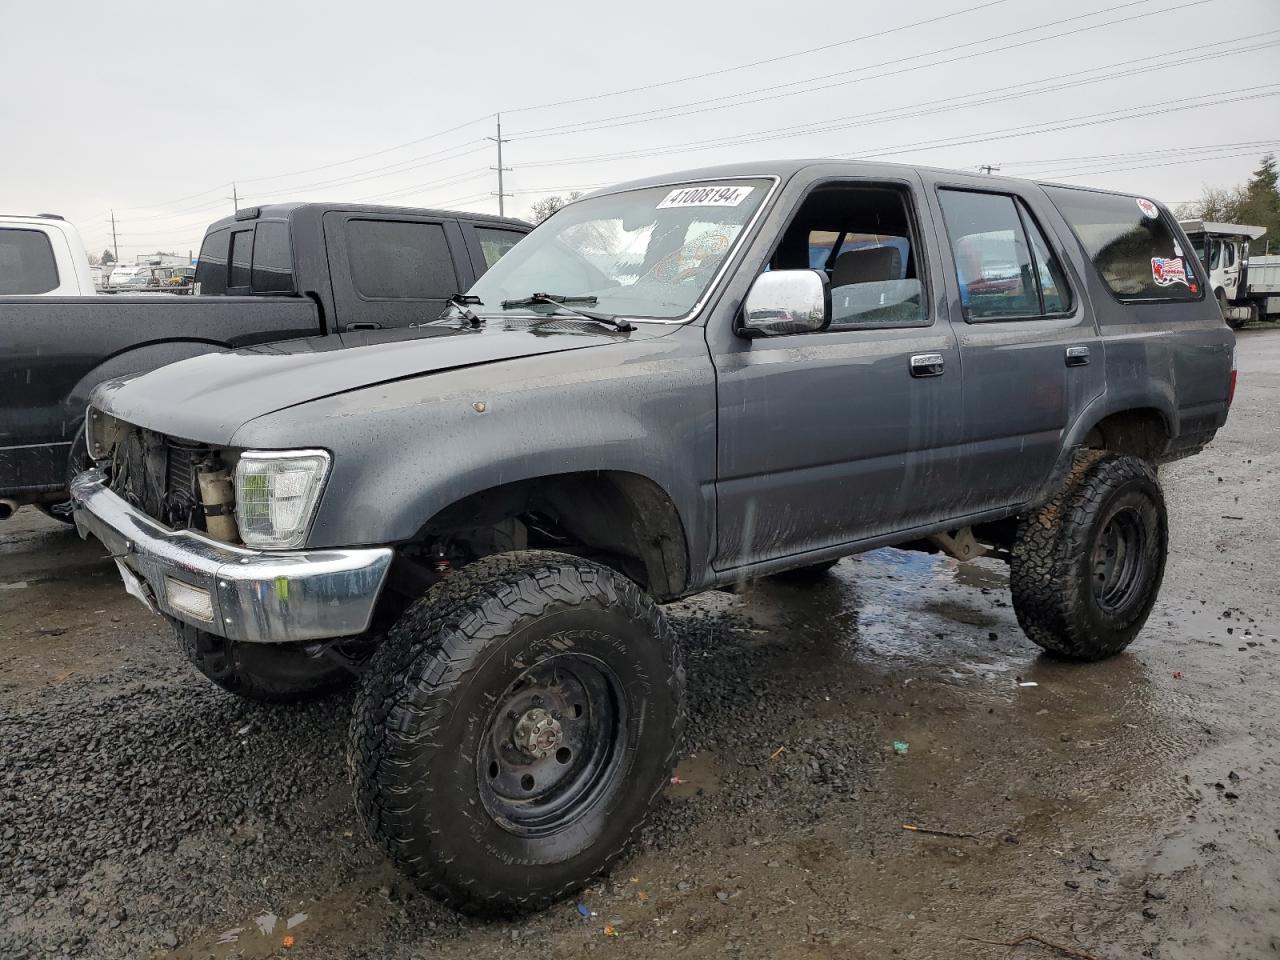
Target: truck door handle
927 365
1077 356
364 325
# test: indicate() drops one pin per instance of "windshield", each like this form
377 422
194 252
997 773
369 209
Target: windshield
644 254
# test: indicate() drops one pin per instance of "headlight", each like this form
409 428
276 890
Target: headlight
277 494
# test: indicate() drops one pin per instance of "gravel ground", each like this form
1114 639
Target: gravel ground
1122 809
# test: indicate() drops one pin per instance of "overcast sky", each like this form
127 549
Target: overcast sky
155 109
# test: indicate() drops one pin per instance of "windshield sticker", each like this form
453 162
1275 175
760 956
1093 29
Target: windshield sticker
712 195
1168 271
1149 209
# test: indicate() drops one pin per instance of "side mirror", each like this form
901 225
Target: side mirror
786 301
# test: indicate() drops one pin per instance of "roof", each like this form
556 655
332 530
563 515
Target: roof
286 211
1226 229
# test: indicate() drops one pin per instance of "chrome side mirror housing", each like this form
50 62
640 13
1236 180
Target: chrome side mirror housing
782 302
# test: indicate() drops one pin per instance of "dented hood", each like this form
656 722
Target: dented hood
207 398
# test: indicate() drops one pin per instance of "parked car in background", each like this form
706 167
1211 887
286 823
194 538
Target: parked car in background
269 273
655 394
42 256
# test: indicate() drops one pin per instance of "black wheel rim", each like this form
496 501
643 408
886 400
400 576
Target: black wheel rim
553 745
1119 560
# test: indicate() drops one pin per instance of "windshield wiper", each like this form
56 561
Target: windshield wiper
464 302
563 310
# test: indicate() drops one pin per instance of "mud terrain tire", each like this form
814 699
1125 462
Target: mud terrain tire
437 754
263 672
1087 567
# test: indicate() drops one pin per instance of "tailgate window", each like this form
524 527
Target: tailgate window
1131 243
241 257
27 266
272 259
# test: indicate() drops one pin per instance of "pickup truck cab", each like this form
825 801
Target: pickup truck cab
671 385
267 274
42 256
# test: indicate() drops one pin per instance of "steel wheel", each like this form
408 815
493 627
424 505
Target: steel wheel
1119 559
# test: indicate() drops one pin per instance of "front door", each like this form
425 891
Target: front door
833 437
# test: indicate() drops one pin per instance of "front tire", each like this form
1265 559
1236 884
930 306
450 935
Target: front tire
515 728
1087 567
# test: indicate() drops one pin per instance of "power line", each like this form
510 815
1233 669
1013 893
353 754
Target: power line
759 63
704 106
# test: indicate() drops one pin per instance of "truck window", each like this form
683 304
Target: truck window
1004 266
241 259
400 260
496 242
1131 244
272 259
211 268
862 237
27 265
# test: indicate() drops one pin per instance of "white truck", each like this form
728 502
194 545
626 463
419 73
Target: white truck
1247 289
41 255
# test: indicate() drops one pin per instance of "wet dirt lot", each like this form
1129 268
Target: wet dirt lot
1122 809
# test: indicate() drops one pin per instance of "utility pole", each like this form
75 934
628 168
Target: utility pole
115 247
988 169
502 194
234 198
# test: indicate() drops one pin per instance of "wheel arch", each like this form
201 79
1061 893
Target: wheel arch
628 519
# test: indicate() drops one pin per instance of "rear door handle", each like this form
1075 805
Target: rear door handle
1077 356
927 365
364 325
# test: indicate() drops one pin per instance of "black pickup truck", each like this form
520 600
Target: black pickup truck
269 273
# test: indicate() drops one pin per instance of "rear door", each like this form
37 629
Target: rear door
1028 340
393 272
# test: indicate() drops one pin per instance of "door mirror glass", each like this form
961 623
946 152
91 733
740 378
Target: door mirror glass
786 301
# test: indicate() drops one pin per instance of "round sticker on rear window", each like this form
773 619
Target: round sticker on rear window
1149 209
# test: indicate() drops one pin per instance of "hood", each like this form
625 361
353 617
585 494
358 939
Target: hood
207 398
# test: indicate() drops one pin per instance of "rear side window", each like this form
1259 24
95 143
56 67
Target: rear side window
27 266
495 243
211 268
1130 243
272 259
1003 264
241 258
400 260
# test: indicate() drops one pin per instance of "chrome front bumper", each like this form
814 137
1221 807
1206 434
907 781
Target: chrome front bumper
254 596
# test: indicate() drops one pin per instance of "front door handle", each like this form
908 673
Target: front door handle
927 365
364 325
1077 356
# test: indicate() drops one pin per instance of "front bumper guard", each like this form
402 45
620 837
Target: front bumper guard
254 596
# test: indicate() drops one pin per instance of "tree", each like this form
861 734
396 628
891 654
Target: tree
94 260
545 207
107 257
1256 203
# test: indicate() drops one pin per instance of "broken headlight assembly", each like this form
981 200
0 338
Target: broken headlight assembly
276 495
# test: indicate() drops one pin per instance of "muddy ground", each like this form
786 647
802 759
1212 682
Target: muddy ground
1122 809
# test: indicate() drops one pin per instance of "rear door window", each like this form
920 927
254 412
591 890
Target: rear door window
1004 266
272 259
1131 244
27 265
211 268
241 261
400 260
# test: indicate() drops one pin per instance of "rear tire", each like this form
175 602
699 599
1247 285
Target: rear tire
515 728
262 672
1087 567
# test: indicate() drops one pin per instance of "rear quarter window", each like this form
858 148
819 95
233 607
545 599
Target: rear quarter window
1131 244
27 266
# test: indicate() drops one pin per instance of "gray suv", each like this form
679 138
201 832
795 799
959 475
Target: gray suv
671 385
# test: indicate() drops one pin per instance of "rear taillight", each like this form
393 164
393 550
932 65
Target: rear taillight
1231 393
